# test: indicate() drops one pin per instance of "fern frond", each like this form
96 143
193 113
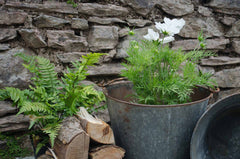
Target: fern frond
42 144
34 107
35 119
30 62
15 94
91 58
88 60
52 131
24 57
44 71
3 94
47 75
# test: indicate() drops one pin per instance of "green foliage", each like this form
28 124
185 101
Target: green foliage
72 3
161 75
13 147
49 100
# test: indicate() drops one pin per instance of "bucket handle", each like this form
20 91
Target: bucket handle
115 80
216 90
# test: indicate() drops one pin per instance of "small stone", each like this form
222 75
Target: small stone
138 22
211 44
7 108
236 46
210 27
47 6
7 34
29 22
139 6
228 78
94 9
78 23
13 123
225 4
228 20
103 115
4 47
204 11
46 21
32 38
123 32
106 69
103 37
235 30
2 2
224 93
109 56
95 86
179 8
66 40
44 156
206 69
13 74
105 20
220 61
70 56
10 18
123 45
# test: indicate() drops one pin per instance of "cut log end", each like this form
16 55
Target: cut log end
72 142
107 152
98 130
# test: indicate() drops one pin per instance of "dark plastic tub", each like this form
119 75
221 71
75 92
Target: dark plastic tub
217 133
153 131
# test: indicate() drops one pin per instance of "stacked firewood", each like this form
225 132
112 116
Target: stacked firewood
86 136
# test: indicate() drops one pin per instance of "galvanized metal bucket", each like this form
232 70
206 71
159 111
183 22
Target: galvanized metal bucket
153 131
217 133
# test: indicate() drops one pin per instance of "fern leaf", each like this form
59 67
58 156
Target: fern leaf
24 57
34 107
15 94
3 94
92 58
32 123
47 75
52 131
41 144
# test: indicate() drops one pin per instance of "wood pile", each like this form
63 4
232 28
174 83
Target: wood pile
80 137
85 136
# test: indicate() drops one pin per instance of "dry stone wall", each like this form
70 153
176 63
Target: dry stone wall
62 33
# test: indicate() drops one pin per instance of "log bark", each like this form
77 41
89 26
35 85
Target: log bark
107 152
98 130
72 141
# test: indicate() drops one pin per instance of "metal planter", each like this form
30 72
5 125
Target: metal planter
153 131
217 133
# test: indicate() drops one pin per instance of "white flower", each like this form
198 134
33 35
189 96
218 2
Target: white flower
170 26
152 35
167 39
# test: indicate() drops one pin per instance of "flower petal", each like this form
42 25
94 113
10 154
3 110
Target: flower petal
170 26
167 39
152 35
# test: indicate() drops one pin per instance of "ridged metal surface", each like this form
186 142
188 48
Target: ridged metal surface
152 131
217 133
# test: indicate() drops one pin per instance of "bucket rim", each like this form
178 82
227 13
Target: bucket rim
210 112
154 106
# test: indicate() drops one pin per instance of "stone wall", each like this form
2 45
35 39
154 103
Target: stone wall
56 30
